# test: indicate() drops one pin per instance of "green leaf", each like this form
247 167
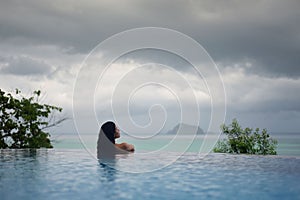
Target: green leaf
245 141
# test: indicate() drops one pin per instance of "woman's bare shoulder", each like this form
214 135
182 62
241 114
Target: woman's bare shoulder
125 146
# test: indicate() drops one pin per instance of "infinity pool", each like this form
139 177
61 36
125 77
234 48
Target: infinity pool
74 174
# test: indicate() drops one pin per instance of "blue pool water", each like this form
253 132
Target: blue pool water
75 174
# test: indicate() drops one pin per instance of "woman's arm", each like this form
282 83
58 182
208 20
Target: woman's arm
125 146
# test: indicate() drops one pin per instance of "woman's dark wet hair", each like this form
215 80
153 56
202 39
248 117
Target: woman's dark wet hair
106 140
109 129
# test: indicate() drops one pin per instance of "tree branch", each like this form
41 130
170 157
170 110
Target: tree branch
55 123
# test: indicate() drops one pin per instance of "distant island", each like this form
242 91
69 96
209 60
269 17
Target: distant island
188 129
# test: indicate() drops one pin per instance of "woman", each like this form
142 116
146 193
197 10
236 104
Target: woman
106 141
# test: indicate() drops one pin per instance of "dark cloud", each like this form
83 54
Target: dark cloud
24 66
259 37
161 57
266 32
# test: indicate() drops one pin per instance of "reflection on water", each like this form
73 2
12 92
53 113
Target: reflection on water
107 168
107 178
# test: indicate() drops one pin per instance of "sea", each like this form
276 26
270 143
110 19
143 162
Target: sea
288 143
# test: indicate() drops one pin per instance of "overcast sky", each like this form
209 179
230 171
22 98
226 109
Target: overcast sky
255 45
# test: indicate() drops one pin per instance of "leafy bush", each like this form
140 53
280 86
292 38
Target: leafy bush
22 121
245 141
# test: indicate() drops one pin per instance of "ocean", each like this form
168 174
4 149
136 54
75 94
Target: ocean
288 144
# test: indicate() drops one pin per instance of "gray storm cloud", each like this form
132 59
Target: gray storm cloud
25 66
264 32
255 44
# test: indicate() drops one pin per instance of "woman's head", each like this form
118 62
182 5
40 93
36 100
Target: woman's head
109 129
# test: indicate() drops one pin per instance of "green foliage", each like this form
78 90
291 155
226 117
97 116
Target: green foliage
245 141
23 120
